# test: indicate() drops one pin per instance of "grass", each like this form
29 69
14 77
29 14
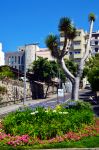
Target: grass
89 142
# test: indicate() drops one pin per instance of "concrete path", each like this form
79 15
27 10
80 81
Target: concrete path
50 101
5 110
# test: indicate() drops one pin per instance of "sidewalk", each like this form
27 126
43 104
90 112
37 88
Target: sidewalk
5 110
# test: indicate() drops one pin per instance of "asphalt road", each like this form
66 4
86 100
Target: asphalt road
52 102
83 95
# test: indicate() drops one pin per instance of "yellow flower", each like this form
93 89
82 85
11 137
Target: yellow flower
58 108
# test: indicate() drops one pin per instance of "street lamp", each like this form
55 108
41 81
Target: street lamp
24 75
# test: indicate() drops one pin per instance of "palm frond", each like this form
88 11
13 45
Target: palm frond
52 42
64 24
72 34
91 17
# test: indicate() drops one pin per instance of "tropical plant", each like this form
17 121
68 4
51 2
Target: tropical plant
5 71
93 78
53 43
44 70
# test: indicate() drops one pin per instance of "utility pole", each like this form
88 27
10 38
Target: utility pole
24 76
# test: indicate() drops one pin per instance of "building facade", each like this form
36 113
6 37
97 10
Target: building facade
45 53
25 55
78 46
15 59
75 49
30 52
2 61
95 42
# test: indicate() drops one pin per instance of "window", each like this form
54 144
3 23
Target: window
96 49
96 42
77 52
19 67
9 60
70 53
61 43
15 59
18 59
77 42
78 33
12 60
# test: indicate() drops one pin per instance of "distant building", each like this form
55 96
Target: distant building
24 54
76 49
2 62
95 42
27 54
45 53
15 59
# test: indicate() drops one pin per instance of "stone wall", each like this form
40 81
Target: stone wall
15 92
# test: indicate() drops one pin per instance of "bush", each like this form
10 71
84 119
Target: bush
45 124
77 105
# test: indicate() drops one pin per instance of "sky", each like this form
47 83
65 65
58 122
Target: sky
30 21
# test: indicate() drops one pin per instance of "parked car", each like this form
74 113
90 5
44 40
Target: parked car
88 86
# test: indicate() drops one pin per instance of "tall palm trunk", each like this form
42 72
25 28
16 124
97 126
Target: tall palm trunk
76 83
82 62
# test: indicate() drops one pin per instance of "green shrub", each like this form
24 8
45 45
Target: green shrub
45 124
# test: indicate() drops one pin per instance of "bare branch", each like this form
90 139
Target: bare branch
66 71
82 62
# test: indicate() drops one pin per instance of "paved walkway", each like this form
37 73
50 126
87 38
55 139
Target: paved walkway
50 101
5 110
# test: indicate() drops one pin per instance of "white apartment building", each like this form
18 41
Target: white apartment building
2 60
76 49
25 55
95 42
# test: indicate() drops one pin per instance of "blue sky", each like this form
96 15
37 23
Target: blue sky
29 21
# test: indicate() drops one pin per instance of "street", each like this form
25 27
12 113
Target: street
52 101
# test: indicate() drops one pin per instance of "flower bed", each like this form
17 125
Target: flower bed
67 122
88 131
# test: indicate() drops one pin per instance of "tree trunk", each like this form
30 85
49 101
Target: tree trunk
75 89
46 91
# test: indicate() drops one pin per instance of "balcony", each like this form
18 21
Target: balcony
77 46
76 56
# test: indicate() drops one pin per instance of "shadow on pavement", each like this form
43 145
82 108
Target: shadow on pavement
89 96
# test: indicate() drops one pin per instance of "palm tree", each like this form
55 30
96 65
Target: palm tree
53 43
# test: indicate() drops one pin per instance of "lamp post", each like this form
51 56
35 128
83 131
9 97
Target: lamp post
24 75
